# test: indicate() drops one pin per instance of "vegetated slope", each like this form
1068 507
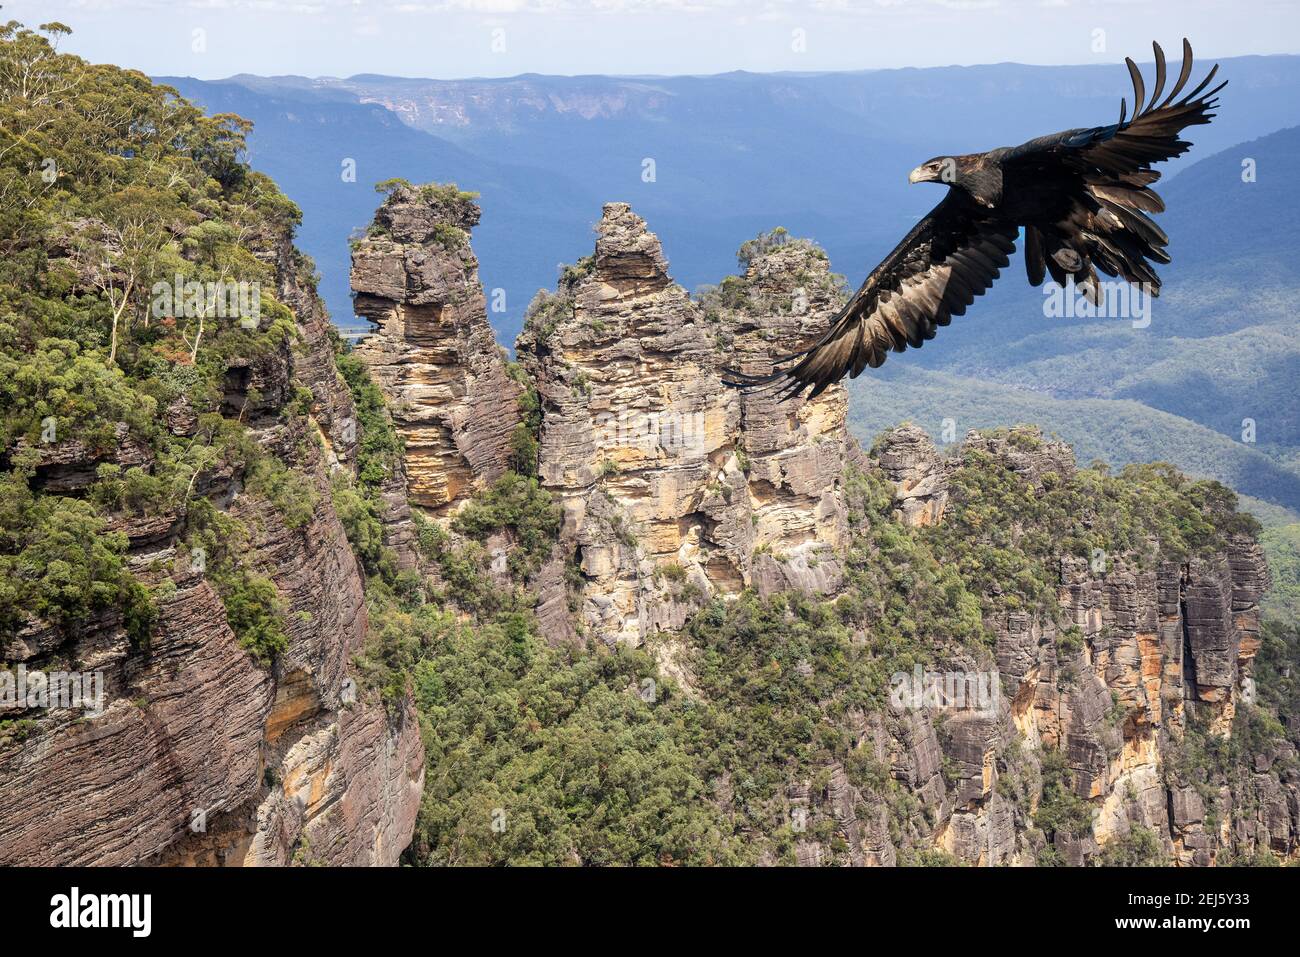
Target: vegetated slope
764 744
1117 431
1282 545
173 438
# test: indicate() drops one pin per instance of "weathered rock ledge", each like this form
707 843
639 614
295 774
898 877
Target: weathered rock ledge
201 755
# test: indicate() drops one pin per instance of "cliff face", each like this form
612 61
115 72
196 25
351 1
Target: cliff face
796 451
775 572
674 486
203 755
433 354
1151 646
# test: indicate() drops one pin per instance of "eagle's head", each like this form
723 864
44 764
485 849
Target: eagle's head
983 181
941 169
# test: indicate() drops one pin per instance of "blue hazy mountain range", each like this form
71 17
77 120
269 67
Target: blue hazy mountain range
826 156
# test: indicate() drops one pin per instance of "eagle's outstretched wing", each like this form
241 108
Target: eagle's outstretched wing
1101 179
1081 196
951 256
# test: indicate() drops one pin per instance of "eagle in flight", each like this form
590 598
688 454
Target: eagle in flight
1080 196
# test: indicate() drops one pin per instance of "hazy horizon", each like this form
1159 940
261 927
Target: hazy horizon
499 39
1172 53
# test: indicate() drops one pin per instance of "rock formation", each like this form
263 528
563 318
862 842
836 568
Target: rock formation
201 754
795 450
433 353
674 486
909 459
1154 642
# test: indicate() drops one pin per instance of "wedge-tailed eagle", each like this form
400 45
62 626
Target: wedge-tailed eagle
1081 198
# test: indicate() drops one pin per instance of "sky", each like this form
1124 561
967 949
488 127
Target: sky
210 39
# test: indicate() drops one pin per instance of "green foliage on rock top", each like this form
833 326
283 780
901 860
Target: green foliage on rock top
1118 430
1005 536
738 293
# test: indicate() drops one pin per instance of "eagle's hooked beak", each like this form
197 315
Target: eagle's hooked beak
919 175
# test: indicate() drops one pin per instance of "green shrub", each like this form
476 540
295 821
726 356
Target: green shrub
519 506
1140 847
290 492
254 609
1060 810
378 445
59 563
361 525
255 613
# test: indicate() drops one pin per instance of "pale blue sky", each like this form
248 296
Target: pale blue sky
459 38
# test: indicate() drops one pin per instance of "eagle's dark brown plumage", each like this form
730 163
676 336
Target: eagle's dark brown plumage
1080 196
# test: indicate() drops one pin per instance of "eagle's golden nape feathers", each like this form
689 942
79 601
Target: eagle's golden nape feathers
1081 197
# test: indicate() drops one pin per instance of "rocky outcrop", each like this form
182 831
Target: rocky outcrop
909 459
1113 684
673 485
346 793
62 467
433 353
179 735
795 449
195 734
1143 662
201 754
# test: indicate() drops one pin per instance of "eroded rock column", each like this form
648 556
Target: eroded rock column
433 352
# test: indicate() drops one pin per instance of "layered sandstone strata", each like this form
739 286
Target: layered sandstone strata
795 449
433 352
675 486
201 754
1148 645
